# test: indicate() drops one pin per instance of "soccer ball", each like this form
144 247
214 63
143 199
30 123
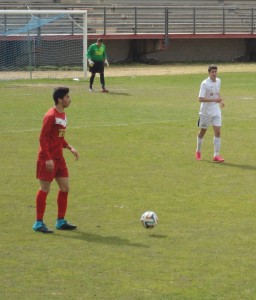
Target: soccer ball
149 219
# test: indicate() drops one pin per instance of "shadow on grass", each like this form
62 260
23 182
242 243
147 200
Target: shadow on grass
226 164
96 238
245 167
119 93
158 236
113 93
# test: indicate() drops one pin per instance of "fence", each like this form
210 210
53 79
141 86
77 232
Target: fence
171 20
132 21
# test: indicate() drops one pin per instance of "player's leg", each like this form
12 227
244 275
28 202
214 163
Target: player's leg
203 123
62 202
199 142
91 81
62 198
41 199
45 179
102 76
102 81
216 122
40 207
217 144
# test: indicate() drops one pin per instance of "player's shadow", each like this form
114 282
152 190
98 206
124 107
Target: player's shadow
158 236
119 93
96 238
245 167
232 165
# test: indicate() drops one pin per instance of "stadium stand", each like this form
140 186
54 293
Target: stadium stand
240 3
131 17
246 3
117 3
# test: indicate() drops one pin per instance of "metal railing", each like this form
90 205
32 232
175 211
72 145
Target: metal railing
172 20
153 20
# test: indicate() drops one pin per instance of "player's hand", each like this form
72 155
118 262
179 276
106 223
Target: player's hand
222 104
73 150
90 62
107 63
49 165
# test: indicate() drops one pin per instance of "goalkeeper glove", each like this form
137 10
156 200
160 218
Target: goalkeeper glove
91 63
106 62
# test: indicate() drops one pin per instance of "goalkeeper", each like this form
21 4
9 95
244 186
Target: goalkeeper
97 57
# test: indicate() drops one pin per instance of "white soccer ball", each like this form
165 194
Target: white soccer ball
149 219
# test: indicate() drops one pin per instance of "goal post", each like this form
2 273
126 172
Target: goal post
43 44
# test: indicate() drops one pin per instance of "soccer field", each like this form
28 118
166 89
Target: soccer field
136 146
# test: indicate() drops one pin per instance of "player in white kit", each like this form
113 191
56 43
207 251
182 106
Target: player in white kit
210 112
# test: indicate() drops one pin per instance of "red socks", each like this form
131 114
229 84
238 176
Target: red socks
62 202
40 204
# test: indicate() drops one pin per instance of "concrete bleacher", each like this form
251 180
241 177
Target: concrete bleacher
120 19
205 3
150 2
24 2
240 3
117 3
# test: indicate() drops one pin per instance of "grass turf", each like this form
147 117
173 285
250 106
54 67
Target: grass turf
136 147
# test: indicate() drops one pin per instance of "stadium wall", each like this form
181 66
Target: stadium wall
127 51
181 50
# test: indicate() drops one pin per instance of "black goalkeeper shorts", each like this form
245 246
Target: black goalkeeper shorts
98 67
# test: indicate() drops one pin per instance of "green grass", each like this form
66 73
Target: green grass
136 147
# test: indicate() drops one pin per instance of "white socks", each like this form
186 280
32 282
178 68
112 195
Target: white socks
199 144
216 145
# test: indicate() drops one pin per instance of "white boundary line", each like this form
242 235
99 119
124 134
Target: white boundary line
117 125
91 126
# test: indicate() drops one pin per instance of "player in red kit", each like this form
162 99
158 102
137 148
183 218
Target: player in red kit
51 164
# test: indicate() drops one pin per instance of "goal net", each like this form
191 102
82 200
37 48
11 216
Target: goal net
43 44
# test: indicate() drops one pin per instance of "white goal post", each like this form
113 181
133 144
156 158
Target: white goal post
43 43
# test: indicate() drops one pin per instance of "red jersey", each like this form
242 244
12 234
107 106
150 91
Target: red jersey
52 135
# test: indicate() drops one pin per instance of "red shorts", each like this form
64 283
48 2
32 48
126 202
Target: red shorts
60 170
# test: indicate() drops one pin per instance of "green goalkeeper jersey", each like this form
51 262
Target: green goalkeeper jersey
97 53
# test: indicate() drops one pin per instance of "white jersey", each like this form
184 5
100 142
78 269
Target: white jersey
210 90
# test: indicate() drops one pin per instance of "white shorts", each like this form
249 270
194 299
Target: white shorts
205 121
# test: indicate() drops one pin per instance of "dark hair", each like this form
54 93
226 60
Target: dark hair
99 40
59 92
212 67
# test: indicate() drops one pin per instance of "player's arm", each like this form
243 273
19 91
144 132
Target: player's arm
49 165
203 99
44 141
71 149
202 95
105 58
89 56
222 104
44 138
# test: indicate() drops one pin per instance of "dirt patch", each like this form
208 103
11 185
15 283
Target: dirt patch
144 70
133 70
